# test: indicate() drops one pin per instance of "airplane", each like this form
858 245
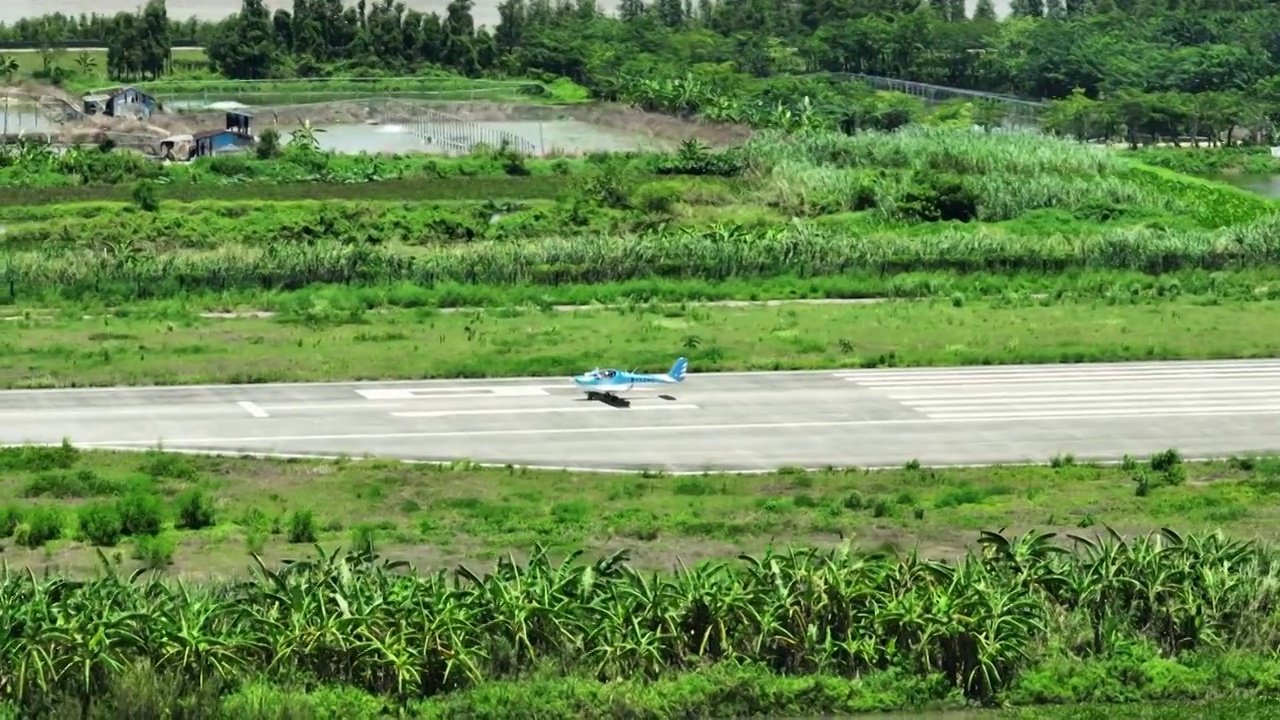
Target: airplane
606 383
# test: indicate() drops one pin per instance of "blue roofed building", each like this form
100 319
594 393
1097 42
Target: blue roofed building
236 136
120 102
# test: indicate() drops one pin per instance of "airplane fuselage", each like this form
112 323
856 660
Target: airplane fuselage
612 382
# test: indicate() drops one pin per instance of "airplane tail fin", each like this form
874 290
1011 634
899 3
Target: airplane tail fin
678 370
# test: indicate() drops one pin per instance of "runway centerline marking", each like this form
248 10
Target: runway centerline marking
658 428
253 409
531 411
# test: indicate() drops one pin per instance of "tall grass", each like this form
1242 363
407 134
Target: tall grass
922 172
974 626
936 149
717 254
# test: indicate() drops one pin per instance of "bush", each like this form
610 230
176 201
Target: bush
302 527
155 551
100 524
44 524
146 196
363 537
10 517
141 514
195 510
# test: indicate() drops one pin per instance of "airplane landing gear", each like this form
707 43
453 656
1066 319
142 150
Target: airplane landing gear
608 398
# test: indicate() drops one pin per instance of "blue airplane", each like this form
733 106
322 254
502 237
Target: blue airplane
607 383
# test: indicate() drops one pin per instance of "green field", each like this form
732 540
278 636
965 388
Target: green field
318 340
89 72
1085 626
786 593
437 516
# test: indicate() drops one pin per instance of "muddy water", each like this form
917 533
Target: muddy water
1265 185
568 136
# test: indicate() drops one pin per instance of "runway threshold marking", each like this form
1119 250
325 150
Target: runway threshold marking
532 411
998 394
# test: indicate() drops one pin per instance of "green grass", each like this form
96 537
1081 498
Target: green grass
438 516
322 341
1016 289
1209 160
107 198
722 691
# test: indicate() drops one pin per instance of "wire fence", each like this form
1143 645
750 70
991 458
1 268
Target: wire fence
449 134
1018 111
205 101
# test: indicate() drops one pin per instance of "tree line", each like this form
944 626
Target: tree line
1161 61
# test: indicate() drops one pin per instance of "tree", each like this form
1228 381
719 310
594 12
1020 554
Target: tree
245 46
8 67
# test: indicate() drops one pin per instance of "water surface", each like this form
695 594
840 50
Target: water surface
1265 185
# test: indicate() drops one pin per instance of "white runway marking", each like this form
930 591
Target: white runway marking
425 393
253 409
532 411
642 428
1065 392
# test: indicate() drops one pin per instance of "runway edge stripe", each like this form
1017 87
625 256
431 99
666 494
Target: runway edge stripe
959 369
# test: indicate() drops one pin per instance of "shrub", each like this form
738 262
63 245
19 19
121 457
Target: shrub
44 524
146 196
195 510
101 524
302 527
141 514
155 551
363 537
10 518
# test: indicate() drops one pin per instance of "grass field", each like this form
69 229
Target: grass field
89 75
1030 250
317 341
439 516
539 629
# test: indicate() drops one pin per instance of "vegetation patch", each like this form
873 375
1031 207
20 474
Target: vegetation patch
334 337
550 621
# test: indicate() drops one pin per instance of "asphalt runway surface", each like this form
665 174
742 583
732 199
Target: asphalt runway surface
720 421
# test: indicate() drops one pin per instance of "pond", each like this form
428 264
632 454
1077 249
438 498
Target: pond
1265 185
567 136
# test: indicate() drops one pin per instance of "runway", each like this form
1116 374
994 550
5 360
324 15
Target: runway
713 421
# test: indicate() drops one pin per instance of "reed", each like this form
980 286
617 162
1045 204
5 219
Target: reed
307 255
937 149
922 173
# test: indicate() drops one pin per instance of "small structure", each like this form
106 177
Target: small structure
177 147
234 137
124 101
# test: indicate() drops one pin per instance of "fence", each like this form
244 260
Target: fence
1018 111
450 134
23 112
201 101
